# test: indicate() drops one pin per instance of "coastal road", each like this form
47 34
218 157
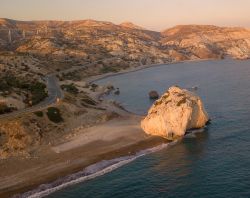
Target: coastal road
54 92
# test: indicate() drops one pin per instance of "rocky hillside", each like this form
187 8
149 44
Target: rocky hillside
208 41
88 40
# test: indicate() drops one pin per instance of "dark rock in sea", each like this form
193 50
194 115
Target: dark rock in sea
110 87
117 92
195 88
153 95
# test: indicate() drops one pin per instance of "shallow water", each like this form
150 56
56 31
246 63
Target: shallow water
215 163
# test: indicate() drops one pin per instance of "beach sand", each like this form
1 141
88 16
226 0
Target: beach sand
119 137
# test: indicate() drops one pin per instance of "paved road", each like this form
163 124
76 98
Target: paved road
54 92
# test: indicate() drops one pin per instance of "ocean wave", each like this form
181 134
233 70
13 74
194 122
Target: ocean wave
89 173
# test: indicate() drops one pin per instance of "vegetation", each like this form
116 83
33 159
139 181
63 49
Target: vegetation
38 92
36 89
6 109
87 100
107 69
54 115
39 113
71 88
75 76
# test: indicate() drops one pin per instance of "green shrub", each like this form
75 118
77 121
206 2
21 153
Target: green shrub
87 100
72 76
6 109
70 88
107 69
37 89
38 92
39 113
54 115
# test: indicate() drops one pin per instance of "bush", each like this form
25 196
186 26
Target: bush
38 92
5 109
70 88
37 89
39 113
88 100
54 114
107 69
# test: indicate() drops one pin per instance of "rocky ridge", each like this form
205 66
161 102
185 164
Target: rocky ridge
90 39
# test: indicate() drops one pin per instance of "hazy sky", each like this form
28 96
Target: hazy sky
152 14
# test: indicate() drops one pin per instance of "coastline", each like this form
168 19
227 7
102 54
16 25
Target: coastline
141 67
22 175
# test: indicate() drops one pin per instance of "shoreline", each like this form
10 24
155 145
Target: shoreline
125 138
93 171
141 67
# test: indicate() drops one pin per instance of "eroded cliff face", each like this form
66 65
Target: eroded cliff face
174 113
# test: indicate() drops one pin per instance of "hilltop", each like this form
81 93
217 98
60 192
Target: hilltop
131 25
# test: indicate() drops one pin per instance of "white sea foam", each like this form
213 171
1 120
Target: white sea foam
192 133
88 173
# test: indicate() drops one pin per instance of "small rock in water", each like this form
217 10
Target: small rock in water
110 87
195 88
117 92
153 95
177 111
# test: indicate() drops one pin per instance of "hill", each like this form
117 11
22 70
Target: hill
89 40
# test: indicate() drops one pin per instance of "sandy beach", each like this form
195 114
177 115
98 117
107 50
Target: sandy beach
119 137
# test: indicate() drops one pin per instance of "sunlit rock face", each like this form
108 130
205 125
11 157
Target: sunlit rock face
174 113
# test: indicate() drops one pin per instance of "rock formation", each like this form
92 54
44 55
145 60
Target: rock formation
174 113
153 95
117 91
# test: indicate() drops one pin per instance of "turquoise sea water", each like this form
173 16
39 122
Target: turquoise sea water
215 163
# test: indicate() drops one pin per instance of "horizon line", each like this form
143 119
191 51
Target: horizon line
118 24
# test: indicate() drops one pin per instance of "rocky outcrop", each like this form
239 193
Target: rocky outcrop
174 113
153 95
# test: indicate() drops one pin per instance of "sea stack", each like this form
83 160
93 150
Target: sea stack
174 113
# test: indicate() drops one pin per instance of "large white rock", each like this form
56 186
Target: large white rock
174 113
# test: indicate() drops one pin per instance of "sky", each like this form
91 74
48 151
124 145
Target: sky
151 14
